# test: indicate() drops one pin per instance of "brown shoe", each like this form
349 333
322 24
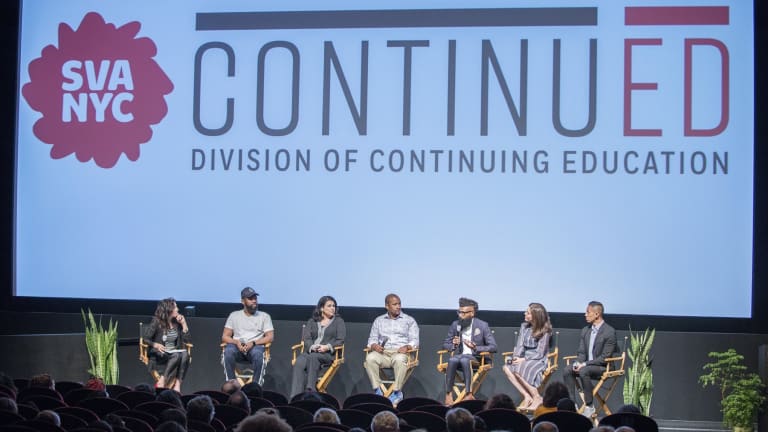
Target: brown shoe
469 396
448 399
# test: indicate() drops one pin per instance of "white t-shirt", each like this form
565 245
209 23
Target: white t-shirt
248 327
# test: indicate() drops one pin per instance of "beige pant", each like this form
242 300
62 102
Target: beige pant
388 359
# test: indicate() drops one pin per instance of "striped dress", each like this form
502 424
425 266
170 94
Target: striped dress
535 353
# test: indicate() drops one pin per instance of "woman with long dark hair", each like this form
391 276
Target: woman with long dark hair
526 366
322 332
168 334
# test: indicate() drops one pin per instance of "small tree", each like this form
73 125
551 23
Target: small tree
742 393
638 385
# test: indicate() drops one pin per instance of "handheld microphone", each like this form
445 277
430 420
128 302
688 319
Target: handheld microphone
383 341
458 331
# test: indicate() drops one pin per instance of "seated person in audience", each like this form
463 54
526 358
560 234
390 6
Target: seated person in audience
322 332
253 390
246 333
49 416
597 342
144 387
7 382
500 400
566 404
467 337
168 334
625 429
629 408
545 426
230 386
42 380
240 400
459 420
262 422
326 415
170 426
177 415
8 405
554 391
392 336
114 420
170 397
385 421
526 366
200 408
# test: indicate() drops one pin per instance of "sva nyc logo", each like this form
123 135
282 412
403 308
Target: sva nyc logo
98 92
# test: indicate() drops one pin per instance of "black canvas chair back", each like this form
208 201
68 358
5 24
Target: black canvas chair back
437 409
420 419
326 398
230 415
69 421
504 419
83 413
133 398
360 398
259 403
37 391
154 407
374 408
410 403
355 418
310 405
141 415
137 424
102 406
322 427
198 426
64 387
275 397
474 405
566 420
74 397
27 411
638 422
294 416
45 402
115 390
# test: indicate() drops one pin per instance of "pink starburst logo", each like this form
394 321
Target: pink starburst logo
98 92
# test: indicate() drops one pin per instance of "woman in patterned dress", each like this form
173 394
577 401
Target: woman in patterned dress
524 369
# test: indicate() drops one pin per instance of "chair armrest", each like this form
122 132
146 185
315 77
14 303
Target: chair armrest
298 346
508 353
338 352
569 359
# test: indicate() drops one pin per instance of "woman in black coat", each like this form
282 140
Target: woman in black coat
168 335
325 330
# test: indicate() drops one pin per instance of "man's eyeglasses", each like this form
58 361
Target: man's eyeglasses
464 312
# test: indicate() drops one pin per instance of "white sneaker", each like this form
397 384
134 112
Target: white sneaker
588 412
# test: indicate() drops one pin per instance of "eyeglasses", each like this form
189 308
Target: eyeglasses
464 312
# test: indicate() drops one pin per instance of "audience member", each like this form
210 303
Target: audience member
42 380
566 404
240 400
8 405
625 429
268 410
170 426
459 420
174 414
171 397
326 415
385 421
49 416
95 383
554 391
114 420
545 426
602 428
480 425
262 422
500 400
230 386
200 408
144 387
7 381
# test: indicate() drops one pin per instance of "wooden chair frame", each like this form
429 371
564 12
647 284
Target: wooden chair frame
614 369
552 361
330 371
245 375
144 347
387 384
480 369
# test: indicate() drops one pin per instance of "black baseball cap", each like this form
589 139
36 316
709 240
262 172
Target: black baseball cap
248 292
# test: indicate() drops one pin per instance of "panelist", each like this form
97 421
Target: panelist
529 359
246 332
467 337
596 343
168 333
392 336
322 332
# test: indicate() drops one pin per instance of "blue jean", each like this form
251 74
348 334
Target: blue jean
255 357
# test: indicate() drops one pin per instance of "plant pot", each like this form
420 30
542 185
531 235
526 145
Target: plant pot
743 429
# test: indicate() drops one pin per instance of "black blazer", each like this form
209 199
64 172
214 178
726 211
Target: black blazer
334 335
154 334
605 345
482 336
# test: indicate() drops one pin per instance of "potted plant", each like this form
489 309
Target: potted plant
742 393
638 384
102 348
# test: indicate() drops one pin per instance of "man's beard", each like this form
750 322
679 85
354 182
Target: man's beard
465 322
252 308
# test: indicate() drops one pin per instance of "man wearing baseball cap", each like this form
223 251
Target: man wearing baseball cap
246 332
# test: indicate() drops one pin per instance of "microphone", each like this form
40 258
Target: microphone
383 341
